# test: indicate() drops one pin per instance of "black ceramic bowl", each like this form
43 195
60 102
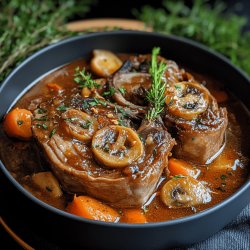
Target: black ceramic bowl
69 230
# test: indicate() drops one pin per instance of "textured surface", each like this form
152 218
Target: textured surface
234 236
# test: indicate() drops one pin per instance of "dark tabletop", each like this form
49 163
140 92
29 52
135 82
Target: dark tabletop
234 236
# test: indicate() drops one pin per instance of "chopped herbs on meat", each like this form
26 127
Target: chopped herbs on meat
177 86
122 90
71 119
53 131
99 101
44 126
223 177
87 125
178 177
43 119
122 111
110 92
62 108
84 79
41 111
121 123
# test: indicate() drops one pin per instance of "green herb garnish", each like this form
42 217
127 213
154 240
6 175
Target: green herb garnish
53 131
84 79
110 92
122 90
178 177
43 118
155 95
123 112
71 119
87 125
177 87
106 148
26 26
44 126
41 111
121 123
93 103
62 108
223 177
85 104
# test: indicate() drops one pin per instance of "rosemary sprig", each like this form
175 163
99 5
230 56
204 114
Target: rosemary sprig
203 22
84 79
155 95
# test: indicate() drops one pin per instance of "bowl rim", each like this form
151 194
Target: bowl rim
62 213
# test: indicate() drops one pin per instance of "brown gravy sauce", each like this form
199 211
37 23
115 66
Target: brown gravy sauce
223 176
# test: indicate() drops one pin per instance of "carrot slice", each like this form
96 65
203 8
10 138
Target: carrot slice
17 123
54 87
180 167
134 215
92 209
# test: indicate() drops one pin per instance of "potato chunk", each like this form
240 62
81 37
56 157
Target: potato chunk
47 183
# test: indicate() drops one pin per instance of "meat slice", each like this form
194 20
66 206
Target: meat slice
197 123
78 171
132 81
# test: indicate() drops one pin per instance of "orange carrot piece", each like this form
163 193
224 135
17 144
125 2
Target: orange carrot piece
134 215
220 95
17 123
92 209
180 167
54 87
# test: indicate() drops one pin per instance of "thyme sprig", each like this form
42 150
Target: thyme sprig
155 95
84 79
209 24
26 26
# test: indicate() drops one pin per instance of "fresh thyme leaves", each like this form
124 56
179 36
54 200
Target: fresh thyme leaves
123 112
62 108
155 95
44 126
53 131
99 101
84 79
71 119
85 104
26 26
86 125
41 111
178 177
178 87
208 24
122 90
110 92
121 123
43 118
223 177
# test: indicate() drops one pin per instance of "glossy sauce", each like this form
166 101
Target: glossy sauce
223 176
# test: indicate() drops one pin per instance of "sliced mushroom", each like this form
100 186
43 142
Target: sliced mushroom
116 146
47 183
79 124
184 192
187 99
104 63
